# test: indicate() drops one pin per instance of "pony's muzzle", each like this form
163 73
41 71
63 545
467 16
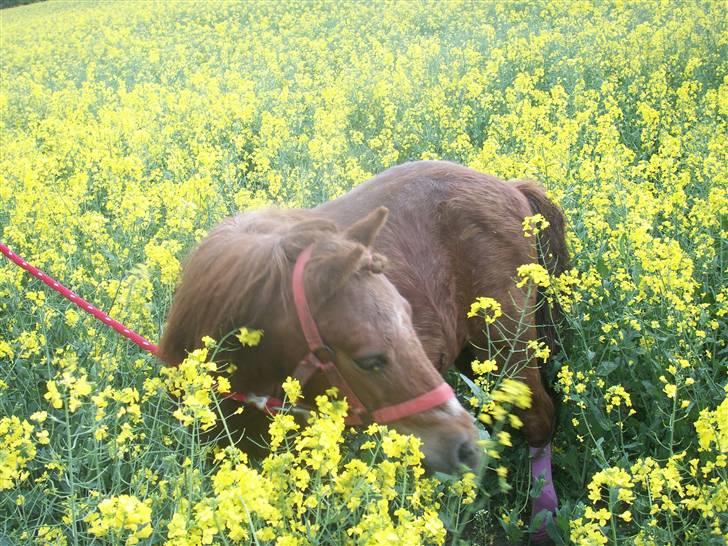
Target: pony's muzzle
468 454
453 453
449 438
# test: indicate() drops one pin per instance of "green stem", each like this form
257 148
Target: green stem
71 476
672 423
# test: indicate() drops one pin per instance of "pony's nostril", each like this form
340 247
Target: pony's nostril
468 454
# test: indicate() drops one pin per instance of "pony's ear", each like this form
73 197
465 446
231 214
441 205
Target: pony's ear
365 230
330 270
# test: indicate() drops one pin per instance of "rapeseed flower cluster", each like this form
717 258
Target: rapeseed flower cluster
129 130
488 308
125 518
535 274
193 383
18 449
533 225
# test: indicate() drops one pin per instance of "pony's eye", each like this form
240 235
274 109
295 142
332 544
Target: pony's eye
372 363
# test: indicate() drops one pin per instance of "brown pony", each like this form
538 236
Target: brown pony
452 234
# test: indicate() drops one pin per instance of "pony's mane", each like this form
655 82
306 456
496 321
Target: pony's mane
239 275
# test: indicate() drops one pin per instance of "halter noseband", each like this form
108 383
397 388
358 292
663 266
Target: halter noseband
321 358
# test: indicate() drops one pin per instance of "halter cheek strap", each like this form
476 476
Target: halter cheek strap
321 358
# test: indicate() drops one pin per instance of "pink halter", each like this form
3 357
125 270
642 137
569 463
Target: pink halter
321 358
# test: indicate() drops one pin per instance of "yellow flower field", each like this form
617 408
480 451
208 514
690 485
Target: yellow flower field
130 128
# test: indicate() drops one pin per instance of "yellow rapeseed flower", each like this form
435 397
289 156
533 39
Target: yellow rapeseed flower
534 273
16 450
124 517
249 338
488 308
533 225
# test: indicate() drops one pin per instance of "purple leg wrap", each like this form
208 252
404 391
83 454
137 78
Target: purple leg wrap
547 500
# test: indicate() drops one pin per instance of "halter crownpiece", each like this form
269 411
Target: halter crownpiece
321 358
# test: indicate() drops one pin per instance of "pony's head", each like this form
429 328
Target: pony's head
240 275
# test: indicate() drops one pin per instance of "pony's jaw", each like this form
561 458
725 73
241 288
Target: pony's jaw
449 437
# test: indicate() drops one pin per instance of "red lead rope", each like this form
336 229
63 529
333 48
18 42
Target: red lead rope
78 300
